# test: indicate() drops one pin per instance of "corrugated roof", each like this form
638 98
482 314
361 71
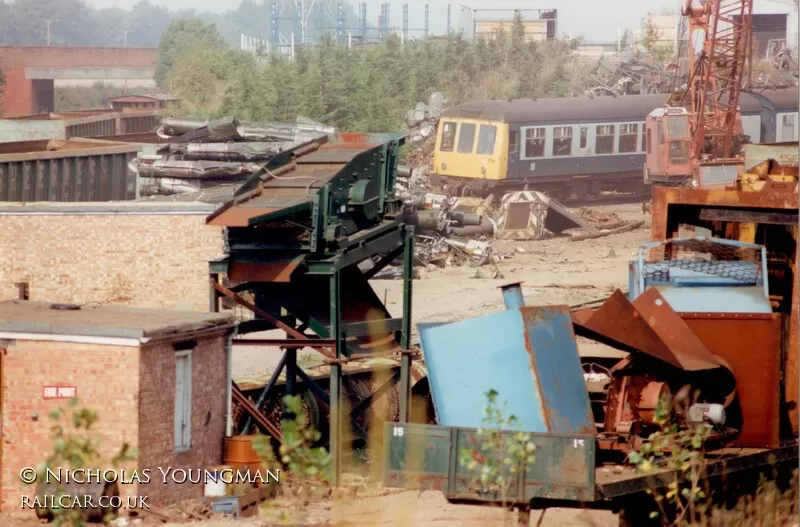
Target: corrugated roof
634 107
19 316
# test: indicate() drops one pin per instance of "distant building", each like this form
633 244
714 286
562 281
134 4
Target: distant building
769 34
156 101
536 30
665 28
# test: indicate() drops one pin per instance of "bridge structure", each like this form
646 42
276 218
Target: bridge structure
31 73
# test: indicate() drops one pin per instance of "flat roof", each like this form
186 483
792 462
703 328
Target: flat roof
92 320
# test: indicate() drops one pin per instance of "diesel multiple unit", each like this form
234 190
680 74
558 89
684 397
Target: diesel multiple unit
573 147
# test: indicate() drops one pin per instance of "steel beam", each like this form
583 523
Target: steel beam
405 343
336 379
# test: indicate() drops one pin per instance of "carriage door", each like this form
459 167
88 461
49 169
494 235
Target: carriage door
583 140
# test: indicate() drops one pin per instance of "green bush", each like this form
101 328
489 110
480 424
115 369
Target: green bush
76 445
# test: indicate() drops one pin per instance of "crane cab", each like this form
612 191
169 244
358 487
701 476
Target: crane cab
667 146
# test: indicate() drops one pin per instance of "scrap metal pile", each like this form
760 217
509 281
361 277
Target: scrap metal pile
630 76
225 151
422 123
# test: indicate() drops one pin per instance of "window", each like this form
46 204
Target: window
628 137
678 126
648 141
466 138
678 152
183 400
644 145
584 137
512 141
562 140
486 137
787 128
604 139
534 142
448 137
660 132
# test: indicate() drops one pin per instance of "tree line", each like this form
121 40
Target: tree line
363 88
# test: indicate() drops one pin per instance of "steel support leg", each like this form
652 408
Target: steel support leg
336 381
405 361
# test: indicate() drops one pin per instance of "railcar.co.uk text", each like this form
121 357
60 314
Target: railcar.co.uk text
167 475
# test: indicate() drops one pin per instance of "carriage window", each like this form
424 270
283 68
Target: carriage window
466 138
628 137
648 141
486 137
584 137
562 140
644 145
787 128
534 142
512 141
448 137
604 139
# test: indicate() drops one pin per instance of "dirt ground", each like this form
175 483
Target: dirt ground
554 271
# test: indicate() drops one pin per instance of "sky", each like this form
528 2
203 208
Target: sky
595 20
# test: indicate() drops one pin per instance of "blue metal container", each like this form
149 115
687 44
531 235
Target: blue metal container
527 354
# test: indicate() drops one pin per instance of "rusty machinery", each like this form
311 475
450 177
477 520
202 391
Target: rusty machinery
301 235
709 322
697 136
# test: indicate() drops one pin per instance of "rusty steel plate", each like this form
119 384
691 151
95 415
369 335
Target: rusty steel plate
751 346
650 326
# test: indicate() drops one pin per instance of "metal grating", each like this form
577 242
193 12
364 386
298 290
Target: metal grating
705 259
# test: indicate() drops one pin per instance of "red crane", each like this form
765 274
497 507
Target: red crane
699 138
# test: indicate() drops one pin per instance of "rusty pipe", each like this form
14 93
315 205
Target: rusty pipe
512 295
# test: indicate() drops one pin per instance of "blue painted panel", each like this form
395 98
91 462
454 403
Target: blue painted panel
528 355
468 358
558 369
716 299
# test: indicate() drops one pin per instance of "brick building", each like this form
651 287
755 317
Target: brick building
144 254
159 380
31 72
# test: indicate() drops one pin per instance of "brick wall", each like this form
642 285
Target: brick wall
77 57
17 93
157 411
105 382
152 260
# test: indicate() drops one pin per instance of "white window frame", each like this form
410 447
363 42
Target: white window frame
183 408
524 140
618 134
572 149
779 136
615 143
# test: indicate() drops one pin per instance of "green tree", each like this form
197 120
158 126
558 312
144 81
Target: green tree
654 45
184 37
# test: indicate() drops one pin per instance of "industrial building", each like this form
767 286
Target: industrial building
141 370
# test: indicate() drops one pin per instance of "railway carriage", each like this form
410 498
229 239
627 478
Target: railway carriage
572 148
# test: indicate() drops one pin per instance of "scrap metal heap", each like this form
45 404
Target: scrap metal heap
296 232
204 154
709 324
631 76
